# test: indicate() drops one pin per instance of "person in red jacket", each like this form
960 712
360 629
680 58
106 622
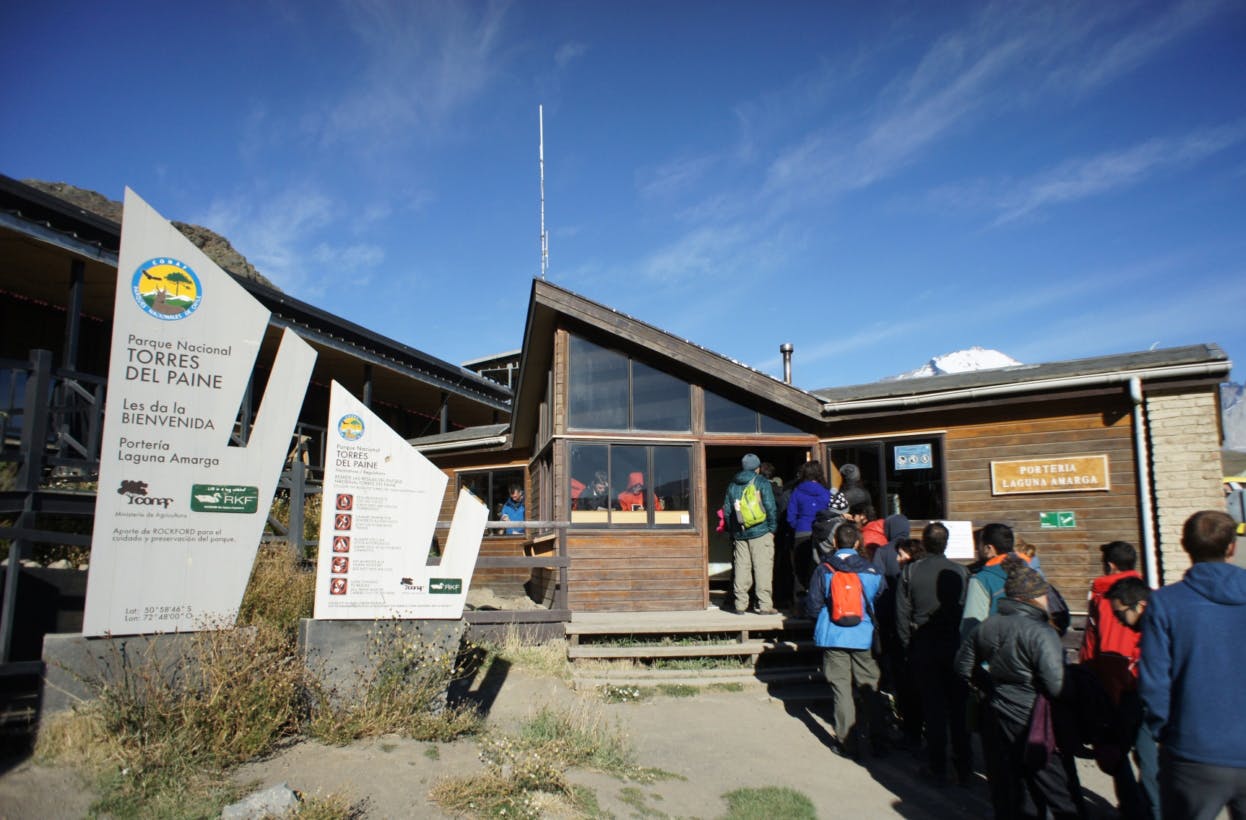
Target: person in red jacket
1108 645
1110 648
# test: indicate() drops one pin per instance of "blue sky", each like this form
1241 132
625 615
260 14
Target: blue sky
876 182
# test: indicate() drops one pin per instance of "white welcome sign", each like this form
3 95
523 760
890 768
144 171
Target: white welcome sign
179 512
382 499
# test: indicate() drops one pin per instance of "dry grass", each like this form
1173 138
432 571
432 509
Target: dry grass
525 773
403 692
280 591
163 725
517 648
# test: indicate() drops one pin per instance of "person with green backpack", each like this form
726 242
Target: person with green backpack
751 517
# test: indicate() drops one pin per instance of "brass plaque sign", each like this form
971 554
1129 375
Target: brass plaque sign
1065 474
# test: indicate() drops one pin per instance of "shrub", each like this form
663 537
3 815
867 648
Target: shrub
403 692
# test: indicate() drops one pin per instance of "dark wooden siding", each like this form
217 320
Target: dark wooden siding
974 438
636 571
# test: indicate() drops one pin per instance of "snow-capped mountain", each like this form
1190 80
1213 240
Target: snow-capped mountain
962 361
1233 415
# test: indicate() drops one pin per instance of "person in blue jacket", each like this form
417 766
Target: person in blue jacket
513 509
810 496
1190 675
847 658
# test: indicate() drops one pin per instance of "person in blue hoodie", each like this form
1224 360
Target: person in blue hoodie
1190 675
808 497
847 658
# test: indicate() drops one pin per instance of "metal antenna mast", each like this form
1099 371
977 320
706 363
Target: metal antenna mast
540 112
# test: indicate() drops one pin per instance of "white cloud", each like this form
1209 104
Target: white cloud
281 234
1085 177
568 53
423 63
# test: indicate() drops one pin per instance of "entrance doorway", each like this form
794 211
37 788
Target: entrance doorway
721 465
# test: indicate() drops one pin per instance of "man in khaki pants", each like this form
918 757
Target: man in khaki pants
753 554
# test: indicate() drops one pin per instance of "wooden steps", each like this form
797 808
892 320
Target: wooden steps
662 648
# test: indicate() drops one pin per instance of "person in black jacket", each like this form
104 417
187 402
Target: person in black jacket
1015 656
929 601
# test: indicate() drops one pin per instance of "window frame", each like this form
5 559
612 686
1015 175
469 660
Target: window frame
651 514
886 468
492 472
630 361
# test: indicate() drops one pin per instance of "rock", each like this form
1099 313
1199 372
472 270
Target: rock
61 564
277 801
211 243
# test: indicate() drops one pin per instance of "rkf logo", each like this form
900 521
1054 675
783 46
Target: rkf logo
136 492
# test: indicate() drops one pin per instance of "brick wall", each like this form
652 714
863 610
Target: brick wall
1185 457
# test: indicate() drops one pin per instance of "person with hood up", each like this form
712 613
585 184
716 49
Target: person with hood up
1190 675
1014 656
847 658
752 547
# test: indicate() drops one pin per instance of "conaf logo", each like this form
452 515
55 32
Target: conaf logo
166 288
136 491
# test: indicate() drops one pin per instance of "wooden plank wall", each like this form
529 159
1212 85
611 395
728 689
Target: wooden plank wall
636 572
1070 557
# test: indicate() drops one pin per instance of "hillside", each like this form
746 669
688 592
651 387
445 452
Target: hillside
210 242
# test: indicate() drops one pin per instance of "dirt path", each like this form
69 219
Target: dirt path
715 741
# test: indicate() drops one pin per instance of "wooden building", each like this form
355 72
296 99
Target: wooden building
1071 454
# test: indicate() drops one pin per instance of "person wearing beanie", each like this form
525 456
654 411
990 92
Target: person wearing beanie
752 546
1015 655
852 488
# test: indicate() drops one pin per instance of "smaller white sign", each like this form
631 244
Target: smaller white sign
381 503
960 540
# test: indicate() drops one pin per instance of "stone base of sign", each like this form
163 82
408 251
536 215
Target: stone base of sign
75 668
343 655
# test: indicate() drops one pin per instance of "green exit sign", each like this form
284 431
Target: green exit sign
1061 520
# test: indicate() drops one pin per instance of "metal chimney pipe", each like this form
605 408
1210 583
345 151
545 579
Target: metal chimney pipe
786 349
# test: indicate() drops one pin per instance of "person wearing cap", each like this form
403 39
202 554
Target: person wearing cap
1015 655
752 547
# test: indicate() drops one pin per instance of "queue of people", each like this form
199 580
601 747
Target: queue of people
1154 697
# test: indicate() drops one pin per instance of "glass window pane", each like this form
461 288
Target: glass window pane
591 495
672 485
769 425
725 416
659 401
864 454
597 389
493 488
629 479
915 480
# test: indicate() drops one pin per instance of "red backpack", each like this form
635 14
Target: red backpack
847 598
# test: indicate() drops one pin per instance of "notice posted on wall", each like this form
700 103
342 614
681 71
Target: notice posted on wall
960 546
381 553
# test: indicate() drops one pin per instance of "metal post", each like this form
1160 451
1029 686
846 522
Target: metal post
367 386
73 317
298 485
34 439
444 416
